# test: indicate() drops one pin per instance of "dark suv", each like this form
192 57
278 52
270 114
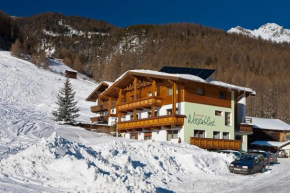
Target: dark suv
248 164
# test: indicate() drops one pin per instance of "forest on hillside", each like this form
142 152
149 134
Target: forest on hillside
105 51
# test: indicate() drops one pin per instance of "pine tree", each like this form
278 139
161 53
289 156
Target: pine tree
67 110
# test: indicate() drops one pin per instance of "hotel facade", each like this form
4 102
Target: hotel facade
177 105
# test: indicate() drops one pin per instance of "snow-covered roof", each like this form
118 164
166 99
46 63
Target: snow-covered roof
70 70
270 124
271 143
92 96
188 77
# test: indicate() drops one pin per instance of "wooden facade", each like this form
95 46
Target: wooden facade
268 135
152 123
208 143
137 93
103 106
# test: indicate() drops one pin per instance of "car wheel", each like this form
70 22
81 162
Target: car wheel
263 170
252 172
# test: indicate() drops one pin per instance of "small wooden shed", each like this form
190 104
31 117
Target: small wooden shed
71 74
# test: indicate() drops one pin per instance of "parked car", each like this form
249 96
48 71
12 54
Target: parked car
248 164
265 154
282 154
273 158
237 154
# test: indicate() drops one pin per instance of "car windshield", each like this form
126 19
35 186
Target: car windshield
246 158
236 154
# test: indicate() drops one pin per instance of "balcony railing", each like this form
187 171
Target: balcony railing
159 121
208 143
102 107
244 128
140 104
103 119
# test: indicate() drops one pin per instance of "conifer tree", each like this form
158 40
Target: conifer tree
67 110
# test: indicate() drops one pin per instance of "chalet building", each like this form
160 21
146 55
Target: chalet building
178 104
71 74
103 116
269 130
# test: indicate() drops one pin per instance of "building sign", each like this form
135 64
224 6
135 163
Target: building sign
199 119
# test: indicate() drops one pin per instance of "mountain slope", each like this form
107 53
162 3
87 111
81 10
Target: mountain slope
108 52
269 31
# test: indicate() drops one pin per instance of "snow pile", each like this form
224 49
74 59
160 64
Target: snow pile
113 167
269 31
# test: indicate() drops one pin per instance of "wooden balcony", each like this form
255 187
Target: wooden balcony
103 119
244 128
208 143
102 107
153 122
140 104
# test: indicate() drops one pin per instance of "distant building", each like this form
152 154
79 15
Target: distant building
71 74
272 146
177 104
269 130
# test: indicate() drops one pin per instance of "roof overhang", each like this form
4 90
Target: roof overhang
101 87
129 76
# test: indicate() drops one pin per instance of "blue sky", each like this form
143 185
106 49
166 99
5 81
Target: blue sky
222 14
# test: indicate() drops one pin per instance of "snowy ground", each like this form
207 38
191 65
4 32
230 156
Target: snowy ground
36 155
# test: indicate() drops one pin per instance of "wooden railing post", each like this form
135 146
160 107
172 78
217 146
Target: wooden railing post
153 87
135 88
152 111
109 106
174 98
120 96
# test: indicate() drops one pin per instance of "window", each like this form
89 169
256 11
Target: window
169 91
169 111
200 91
239 137
149 94
134 136
222 95
226 135
123 100
137 116
218 113
147 136
132 97
227 118
172 134
199 133
150 115
216 134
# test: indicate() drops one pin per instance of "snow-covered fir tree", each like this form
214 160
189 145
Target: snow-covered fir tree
67 110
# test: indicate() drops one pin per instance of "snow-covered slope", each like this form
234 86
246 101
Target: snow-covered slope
36 155
269 31
27 98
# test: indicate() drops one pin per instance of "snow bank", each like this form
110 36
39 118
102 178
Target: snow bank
111 167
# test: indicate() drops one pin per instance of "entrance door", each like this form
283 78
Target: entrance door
134 136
